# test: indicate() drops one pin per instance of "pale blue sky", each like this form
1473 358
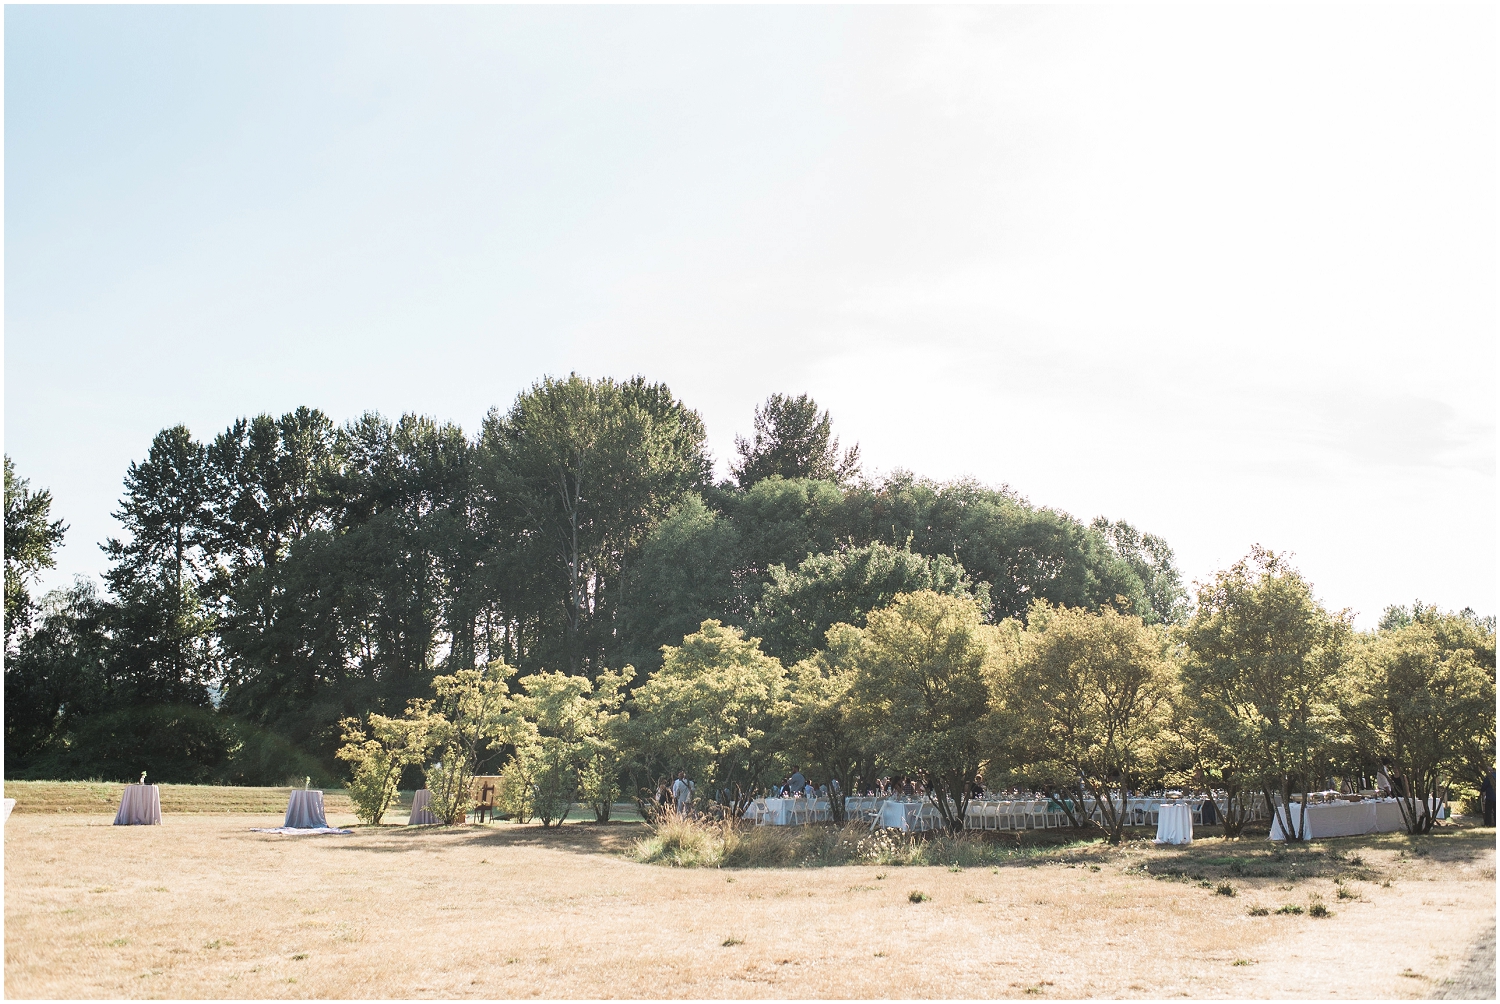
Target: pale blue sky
1228 273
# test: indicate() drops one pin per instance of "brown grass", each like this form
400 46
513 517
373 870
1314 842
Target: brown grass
201 907
93 797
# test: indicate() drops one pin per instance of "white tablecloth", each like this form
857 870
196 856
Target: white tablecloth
139 806
786 811
1344 819
10 803
304 810
1174 824
897 815
421 812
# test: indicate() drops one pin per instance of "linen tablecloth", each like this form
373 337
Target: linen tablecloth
304 810
1174 824
421 811
785 811
140 805
10 803
897 815
1344 819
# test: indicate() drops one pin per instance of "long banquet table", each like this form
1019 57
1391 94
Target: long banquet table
1343 819
787 811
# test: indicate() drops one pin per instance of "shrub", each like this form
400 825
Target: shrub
378 759
1225 889
918 896
1291 909
1260 911
599 785
513 796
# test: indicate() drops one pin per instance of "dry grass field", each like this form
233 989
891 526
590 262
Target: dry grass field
92 797
202 907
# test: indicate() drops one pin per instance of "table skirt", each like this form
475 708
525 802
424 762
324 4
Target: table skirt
140 805
304 810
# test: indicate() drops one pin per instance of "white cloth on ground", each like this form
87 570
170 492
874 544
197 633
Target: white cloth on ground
140 805
299 831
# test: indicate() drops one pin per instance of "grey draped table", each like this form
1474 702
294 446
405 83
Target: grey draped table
421 809
139 806
305 809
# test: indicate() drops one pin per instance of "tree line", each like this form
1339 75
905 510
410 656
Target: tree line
1260 695
290 573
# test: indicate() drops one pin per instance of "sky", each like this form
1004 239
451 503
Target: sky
1225 272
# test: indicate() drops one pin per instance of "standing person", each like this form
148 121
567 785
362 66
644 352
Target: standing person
1487 797
682 793
796 782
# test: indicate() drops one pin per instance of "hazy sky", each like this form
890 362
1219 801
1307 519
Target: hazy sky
1228 273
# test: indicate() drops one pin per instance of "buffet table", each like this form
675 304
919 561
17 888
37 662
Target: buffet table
1343 819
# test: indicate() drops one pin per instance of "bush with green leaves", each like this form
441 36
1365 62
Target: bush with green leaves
377 756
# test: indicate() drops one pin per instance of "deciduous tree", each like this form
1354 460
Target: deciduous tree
1262 667
926 676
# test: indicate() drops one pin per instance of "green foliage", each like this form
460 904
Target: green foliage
1262 669
924 685
823 727
585 468
1021 551
470 712
1090 694
684 575
378 757
514 795
713 709
793 440
559 729
30 540
797 607
175 744
1152 561
1420 697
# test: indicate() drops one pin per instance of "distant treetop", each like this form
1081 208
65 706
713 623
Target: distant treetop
793 440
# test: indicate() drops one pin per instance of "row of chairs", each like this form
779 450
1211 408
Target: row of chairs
798 812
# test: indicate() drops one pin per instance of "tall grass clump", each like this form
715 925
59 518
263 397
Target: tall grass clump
686 843
682 842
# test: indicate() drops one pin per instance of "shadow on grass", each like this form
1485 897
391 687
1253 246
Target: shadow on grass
1210 859
577 837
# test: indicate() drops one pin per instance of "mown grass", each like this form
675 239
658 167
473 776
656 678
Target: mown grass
97 797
